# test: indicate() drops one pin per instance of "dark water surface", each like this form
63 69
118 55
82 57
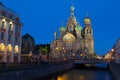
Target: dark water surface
79 74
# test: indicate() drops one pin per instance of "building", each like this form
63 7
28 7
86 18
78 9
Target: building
28 43
28 47
10 35
73 42
116 51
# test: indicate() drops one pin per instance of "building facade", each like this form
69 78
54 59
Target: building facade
10 35
73 42
28 44
115 52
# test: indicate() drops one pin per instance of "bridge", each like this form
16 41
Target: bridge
86 61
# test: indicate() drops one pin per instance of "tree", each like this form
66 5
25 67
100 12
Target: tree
44 50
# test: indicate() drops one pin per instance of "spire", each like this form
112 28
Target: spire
72 8
62 23
87 19
87 15
72 2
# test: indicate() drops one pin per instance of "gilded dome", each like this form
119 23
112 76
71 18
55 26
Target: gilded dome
87 20
69 37
62 29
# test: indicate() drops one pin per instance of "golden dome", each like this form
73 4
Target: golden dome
87 20
69 37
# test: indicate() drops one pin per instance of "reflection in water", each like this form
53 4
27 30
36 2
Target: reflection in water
77 74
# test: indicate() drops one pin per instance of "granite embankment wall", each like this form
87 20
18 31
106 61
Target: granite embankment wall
36 72
115 69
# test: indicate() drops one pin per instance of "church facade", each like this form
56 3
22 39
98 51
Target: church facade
74 41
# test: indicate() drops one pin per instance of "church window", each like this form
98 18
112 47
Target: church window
68 44
71 28
87 31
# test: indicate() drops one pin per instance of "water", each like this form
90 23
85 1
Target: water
78 74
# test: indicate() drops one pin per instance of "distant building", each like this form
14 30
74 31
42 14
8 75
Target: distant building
10 35
116 51
28 47
73 41
28 43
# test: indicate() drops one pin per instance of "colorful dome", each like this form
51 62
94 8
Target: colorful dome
62 29
72 8
78 28
69 37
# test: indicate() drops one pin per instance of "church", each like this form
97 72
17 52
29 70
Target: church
74 41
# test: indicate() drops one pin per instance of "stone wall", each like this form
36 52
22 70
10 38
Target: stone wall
40 71
115 69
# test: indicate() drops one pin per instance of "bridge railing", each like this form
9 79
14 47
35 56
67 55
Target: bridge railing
89 61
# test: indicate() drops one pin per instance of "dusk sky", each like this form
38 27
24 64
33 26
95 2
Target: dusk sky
42 17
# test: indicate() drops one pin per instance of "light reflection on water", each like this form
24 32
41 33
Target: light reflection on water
77 74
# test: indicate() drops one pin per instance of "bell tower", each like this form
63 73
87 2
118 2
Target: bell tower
88 36
88 31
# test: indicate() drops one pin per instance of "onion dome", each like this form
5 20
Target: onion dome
78 28
87 20
72 8
62 29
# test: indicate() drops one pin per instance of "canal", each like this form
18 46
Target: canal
81 74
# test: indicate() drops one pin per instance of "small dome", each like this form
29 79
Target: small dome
78 28
72 8
87 20
62 29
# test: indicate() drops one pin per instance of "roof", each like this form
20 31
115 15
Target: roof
8 10
26 36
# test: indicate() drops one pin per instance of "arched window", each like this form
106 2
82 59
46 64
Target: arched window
71 28
16 49
10 26
87 31
1 47
9 48
3 23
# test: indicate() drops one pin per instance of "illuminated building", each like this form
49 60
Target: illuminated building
73 40
116 51
10 35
